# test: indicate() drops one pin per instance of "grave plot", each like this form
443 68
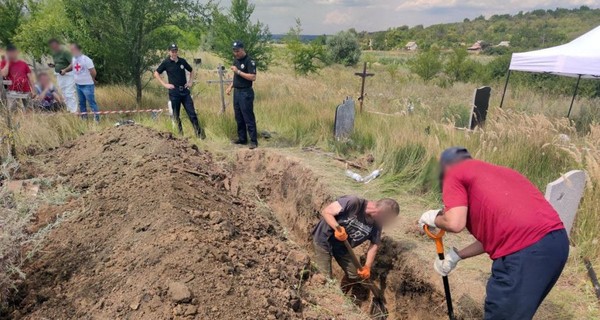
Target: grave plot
163 231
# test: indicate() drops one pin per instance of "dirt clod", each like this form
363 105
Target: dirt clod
179 292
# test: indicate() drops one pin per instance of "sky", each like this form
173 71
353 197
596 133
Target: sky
330 16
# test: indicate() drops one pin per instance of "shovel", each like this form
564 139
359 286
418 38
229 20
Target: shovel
439 245
378 304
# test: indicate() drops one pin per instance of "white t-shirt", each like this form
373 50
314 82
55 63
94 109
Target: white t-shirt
81 70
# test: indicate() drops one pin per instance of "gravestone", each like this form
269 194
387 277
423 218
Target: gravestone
481 103
344 119
565 194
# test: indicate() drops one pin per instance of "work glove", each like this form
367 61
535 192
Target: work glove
428 218
444 267
364 272
340 235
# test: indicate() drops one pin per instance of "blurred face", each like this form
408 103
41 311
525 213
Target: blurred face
173 54
384 216
75 51
239 53
12 55
55 46
44 80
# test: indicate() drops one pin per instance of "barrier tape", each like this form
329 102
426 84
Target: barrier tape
118 112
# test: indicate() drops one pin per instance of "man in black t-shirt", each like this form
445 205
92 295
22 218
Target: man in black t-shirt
179 88
360 220
244 69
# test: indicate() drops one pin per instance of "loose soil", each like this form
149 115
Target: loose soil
156 235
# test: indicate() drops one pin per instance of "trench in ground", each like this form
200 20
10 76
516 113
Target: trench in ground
295 195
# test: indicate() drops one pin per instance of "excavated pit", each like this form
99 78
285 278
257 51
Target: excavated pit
296 196
162 230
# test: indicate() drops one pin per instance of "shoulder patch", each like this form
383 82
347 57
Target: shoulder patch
253 63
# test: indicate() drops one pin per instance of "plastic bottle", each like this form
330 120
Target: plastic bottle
372 176
354 176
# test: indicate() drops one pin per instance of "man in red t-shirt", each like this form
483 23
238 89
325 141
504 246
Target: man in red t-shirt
512 222
16 71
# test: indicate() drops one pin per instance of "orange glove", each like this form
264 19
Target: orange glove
340 234
364 272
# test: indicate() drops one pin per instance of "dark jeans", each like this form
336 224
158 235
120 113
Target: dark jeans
179 97
243 106
520 281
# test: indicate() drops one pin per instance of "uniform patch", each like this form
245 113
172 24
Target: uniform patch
243 66
253 63
181 66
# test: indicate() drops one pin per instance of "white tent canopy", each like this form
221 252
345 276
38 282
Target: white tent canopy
580 57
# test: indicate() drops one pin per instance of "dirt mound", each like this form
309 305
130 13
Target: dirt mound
156 234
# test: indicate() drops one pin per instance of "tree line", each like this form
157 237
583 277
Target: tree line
524 30
129 37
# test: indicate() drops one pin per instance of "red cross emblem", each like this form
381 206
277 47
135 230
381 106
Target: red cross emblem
77 67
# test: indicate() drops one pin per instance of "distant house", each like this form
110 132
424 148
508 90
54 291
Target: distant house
476 47
411 46
503 44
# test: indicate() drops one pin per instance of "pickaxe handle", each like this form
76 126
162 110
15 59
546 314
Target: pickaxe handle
439 246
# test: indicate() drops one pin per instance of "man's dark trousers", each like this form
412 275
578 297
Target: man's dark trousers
179 96
243 106
520 281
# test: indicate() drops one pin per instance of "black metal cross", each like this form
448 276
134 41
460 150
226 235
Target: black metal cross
222 81
364 76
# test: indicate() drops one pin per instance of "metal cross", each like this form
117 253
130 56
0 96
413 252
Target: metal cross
363 75
222 81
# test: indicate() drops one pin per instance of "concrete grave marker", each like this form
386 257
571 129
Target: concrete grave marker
344 119
565 194
481 103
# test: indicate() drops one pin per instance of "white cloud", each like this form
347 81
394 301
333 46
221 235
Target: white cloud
337 17
330 16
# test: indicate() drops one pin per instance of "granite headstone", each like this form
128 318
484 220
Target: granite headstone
344 119
565 195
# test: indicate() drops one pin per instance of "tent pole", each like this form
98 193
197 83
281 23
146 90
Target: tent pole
505 86
574 94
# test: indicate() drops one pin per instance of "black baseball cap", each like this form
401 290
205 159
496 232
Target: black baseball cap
454 155
173 46
238 45
11 47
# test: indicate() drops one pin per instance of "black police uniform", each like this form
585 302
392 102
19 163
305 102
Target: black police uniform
180 94
243 101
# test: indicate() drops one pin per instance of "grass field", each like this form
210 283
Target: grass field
527 135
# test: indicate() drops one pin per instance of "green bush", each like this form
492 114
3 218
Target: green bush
344 48
306 58
427 64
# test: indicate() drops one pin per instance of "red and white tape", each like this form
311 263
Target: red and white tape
119 112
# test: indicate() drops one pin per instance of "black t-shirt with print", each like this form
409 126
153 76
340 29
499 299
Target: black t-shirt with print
353 218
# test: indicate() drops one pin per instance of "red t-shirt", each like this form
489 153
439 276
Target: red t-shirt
507 212
18 72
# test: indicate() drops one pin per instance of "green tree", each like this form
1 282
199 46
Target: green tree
236 24
47 22
306 58
459 67
127 37
427 64
12 13
344 48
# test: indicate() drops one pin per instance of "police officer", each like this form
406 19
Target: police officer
244 69
179 88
